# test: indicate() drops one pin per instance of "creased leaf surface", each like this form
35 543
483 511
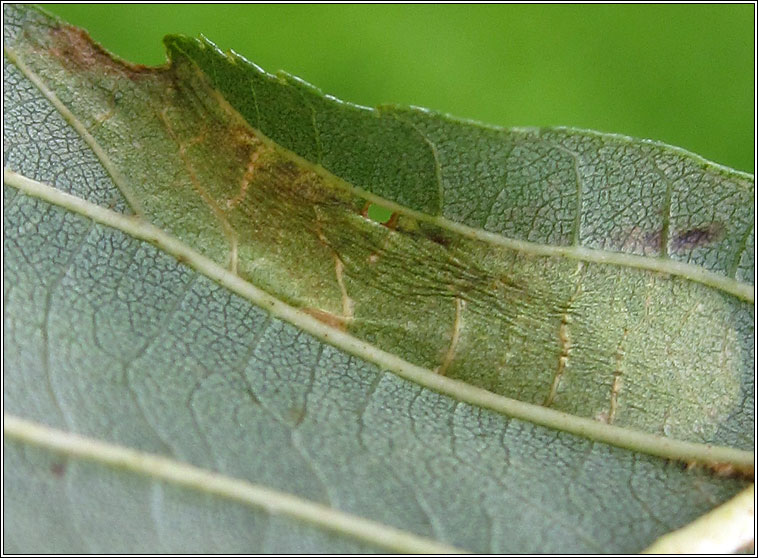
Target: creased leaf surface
111 337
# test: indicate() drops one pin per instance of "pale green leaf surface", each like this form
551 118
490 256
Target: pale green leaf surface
111 337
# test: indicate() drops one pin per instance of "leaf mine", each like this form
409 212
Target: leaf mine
485 314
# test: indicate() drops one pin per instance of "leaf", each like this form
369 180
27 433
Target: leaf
214 344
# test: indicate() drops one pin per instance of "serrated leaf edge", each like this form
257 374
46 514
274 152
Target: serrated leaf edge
729 285
664 265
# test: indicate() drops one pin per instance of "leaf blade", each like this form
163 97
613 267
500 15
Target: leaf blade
285 405
518 463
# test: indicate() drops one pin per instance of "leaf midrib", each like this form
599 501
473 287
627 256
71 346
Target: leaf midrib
600 432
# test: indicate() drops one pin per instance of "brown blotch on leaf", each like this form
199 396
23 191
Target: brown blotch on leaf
436 235
640 241
696 237
439 239
295 416
58 469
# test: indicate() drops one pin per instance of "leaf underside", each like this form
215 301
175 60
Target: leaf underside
604 277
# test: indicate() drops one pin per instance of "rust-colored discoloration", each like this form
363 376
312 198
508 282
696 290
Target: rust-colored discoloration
183 146
76 50
617 378
57 469
565 345
332 320
724 470
364 211
392 222
250 172
564 338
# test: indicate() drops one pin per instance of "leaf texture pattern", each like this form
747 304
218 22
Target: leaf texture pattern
604 279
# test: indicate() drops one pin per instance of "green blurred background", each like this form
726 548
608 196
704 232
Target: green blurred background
682 74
